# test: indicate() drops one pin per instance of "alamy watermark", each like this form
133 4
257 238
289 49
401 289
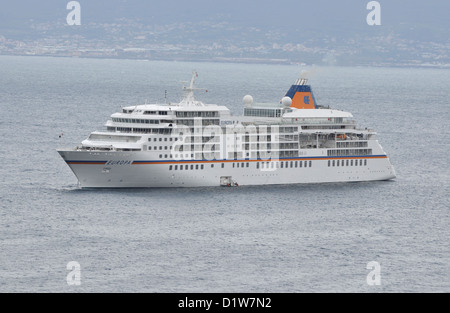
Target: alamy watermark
227 142
374 16
372 19
74 276
374 276
74 16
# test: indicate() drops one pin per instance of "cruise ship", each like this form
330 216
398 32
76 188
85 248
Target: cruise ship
194 144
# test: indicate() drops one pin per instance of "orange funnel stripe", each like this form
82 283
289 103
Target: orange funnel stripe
302 97
303 100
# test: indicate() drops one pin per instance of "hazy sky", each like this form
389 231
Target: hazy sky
289 13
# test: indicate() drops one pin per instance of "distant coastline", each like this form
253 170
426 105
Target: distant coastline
247 60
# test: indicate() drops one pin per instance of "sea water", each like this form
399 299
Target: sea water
283 238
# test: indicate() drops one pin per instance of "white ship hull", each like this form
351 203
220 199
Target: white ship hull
192 144
137 170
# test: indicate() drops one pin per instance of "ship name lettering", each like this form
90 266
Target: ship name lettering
118 162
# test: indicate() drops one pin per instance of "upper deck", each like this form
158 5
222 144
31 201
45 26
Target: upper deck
295 126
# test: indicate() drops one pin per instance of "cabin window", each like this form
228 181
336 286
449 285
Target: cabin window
365 162
176 167
329 163
201 166
170 167
223 165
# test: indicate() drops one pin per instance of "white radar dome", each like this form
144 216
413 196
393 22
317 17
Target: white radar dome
248 101
286 101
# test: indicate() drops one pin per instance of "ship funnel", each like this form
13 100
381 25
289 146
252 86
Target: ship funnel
301 95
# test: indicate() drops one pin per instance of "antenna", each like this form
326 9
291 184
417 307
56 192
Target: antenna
189 91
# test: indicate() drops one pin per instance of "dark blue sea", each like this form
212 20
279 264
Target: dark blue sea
284 238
